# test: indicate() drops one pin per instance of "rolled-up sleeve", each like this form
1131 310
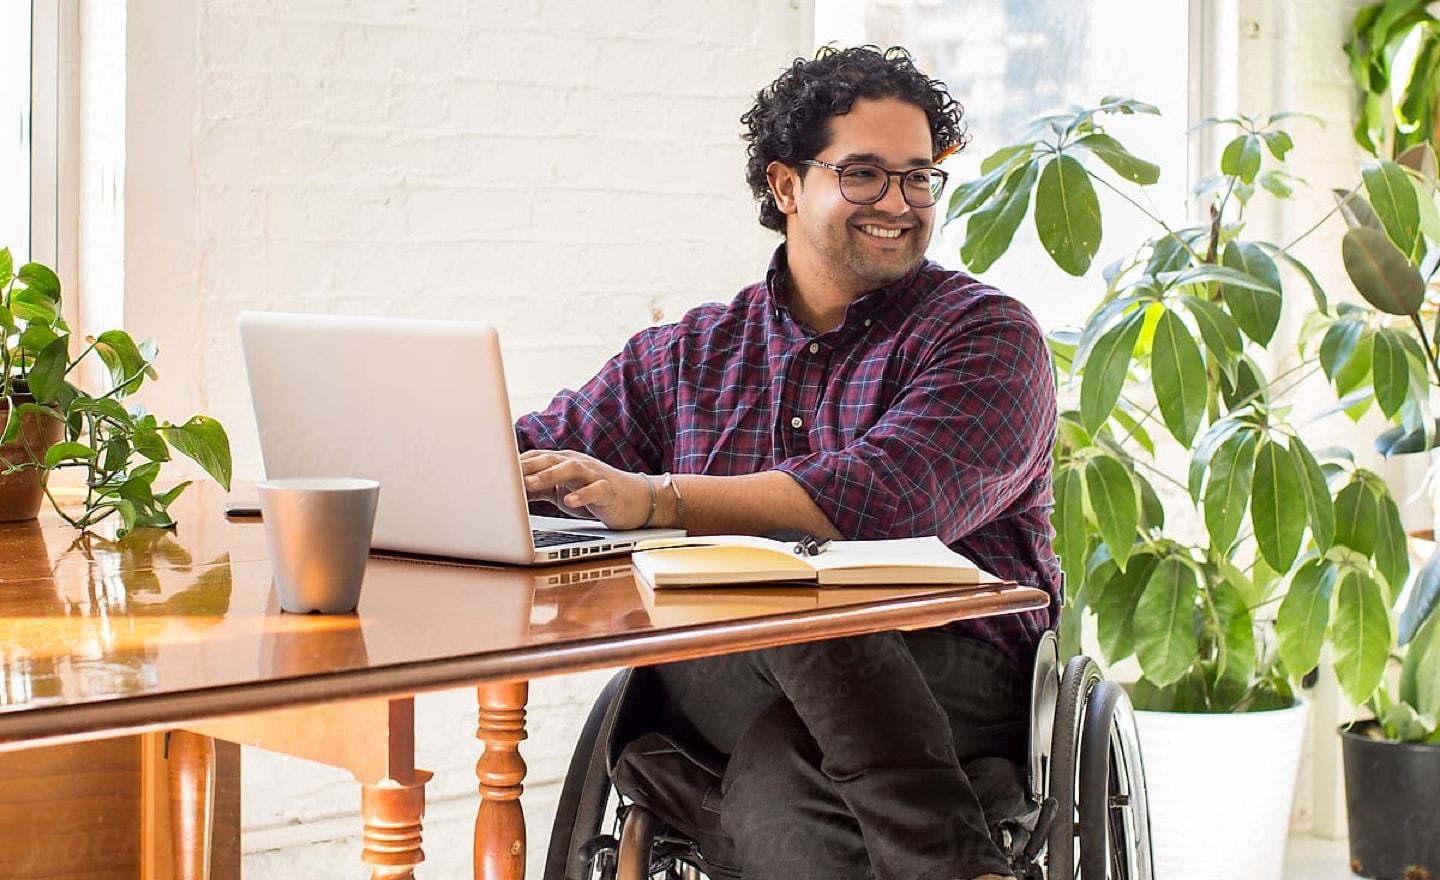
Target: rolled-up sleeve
614 416
964 442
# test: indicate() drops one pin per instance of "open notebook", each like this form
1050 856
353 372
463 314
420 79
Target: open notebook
742 559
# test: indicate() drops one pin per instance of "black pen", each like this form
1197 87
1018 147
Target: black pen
811 546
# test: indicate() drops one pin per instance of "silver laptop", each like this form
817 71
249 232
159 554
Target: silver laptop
422 407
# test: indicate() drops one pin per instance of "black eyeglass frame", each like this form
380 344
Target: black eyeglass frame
885 187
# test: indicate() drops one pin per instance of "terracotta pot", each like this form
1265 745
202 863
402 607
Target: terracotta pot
21 492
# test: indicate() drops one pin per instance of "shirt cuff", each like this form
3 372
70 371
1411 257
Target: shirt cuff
848 492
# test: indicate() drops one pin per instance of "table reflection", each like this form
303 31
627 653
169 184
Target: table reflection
97 629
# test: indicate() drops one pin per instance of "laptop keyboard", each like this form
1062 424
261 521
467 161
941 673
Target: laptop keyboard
546 538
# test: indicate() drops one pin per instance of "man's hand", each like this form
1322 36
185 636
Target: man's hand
585 486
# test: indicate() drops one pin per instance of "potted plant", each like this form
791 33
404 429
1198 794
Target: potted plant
1186 499
50 424
1384 353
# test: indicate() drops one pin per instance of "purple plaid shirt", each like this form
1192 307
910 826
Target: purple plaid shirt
929 411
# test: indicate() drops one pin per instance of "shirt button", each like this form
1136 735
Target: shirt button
868 322
797 423
814 348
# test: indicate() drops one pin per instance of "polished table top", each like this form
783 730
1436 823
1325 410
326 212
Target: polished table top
99 636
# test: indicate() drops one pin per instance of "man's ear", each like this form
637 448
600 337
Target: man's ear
784 185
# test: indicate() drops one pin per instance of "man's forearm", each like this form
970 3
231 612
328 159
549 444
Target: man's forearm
745 505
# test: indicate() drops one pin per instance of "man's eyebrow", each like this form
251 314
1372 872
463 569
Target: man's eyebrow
875 159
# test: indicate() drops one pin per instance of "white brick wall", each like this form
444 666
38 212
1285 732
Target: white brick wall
568 170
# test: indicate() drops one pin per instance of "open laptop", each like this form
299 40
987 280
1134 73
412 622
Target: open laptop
422 407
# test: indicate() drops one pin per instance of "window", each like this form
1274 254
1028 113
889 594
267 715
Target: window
1007 61
15 130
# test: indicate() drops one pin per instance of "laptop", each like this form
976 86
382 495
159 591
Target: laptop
422 407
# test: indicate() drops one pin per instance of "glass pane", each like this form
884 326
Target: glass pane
15 130
1007 61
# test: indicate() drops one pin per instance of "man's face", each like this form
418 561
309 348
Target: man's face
866 246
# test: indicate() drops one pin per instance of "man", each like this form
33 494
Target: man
858 392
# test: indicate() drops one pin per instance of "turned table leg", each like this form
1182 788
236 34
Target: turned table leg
500 822
393 812
191 759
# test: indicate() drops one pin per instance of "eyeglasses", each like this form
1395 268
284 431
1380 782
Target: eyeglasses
865 183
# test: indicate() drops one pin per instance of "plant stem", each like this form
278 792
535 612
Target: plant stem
1139 207
1429 351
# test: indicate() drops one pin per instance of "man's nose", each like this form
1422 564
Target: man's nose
893 201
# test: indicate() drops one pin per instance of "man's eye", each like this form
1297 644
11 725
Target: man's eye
859 174
920 180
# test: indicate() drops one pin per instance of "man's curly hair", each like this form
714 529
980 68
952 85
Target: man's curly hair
790 119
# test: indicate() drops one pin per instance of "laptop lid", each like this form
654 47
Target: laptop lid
421 406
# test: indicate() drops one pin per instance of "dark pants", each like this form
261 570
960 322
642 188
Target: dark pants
845 755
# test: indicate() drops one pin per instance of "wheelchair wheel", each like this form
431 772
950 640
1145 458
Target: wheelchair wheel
581 812
1114 817
1079 679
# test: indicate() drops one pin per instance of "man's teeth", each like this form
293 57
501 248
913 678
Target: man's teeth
881 232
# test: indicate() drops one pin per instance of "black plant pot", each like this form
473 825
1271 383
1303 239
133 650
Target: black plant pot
1392 796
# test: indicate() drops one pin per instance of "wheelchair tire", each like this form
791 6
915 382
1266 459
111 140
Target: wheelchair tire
580 814
1114 819
1079 679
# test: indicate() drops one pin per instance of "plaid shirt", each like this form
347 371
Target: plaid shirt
929 411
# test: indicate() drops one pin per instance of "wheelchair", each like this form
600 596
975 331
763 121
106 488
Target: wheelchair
1078 809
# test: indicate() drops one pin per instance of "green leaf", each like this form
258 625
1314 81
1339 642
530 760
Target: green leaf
1355 372
1217 328
1235 661
1279 143
1241 158
36 337
33 306
1381 273
1424 599
1304 614
7 266
1225 275
1114 607
1393 199
1277 511
166 498
41 280
971 194
105 406
1166 644
1318 503
1205 448
1420 670
1339 344
68 451
1178 371
123 359
1256 311
1391 557
990 230
1113 497
1120 160
203 440
151 445
117 453
1068 520
47 376
1067 215
1007 157
1361 635
1106 369
1355 516
1356 210
1228 490
1390 371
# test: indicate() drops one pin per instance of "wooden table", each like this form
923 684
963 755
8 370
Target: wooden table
178 637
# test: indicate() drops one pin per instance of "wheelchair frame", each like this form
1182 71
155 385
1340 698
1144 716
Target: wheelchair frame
1085 776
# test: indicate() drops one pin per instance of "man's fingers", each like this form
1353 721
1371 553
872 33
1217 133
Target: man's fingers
597 494
558 473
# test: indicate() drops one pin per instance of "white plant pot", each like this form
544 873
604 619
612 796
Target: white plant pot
1220 790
